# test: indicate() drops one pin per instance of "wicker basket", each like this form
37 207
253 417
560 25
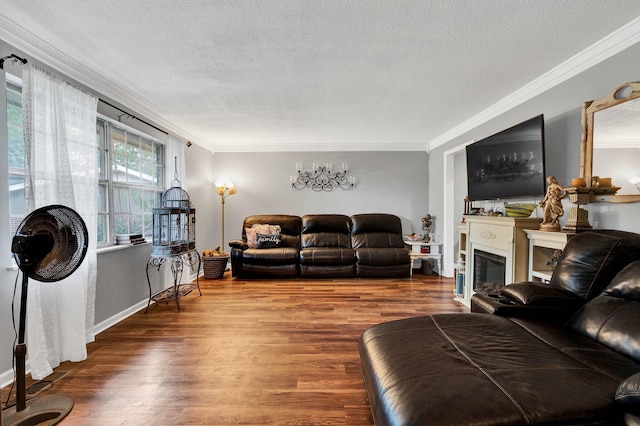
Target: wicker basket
214 266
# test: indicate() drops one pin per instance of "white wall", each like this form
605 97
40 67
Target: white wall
609 165
562 107
386 182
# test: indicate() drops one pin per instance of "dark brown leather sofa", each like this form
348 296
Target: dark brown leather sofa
325 246
279 261
481 369
587 266
379 248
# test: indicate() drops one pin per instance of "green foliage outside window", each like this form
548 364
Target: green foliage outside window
130 166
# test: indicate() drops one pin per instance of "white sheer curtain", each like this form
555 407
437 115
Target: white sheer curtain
175 150
61 168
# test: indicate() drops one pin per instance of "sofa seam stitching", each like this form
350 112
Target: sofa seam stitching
486 373
566 351
596 276
425 328
477 368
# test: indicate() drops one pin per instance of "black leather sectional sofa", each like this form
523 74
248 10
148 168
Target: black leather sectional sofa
567 354
324 246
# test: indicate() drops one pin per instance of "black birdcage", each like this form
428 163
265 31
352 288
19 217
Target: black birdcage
174 223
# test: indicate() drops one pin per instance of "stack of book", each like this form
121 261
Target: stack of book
130 239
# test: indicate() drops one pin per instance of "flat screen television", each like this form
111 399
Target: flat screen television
509 164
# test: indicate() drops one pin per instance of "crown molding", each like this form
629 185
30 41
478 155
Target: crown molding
614 43
51 57
325 147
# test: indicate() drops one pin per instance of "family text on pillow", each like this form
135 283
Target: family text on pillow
268 240
264 229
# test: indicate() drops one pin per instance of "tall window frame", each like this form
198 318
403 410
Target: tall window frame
16 152
131 170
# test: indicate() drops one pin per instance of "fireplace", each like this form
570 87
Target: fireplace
488 272
504 252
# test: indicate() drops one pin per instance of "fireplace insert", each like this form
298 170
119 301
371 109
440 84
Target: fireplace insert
488 272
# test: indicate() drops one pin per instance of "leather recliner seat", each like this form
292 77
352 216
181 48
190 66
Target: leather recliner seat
477 368
379 248
269 262
588 263
326 247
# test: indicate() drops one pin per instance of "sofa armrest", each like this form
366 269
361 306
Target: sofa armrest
628 395
528 300
236 261
238 244
538 294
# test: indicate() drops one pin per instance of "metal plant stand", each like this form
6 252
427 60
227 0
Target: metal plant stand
177 262
174 242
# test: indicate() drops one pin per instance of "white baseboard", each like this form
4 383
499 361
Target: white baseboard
110 322
7 377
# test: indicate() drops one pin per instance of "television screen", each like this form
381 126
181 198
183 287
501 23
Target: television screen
509 164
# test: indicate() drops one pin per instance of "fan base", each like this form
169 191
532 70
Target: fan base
44 410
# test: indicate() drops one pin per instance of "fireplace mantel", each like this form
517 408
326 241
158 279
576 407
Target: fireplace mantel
502 236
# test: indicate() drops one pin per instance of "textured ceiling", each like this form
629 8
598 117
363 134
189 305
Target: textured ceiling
291 75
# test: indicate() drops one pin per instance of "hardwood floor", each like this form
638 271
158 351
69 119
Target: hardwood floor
255 352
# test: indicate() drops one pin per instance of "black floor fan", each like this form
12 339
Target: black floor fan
49 245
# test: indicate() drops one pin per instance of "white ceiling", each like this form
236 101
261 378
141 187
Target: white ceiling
314 75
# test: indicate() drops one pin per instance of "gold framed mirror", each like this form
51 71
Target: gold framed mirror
610 148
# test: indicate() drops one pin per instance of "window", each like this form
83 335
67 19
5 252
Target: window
131 169
15 138
135 180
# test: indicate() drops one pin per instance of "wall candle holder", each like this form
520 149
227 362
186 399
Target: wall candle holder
321 178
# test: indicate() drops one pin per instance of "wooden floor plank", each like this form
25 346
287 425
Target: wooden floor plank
246 352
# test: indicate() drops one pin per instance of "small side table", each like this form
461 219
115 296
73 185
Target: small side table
426 250
176 261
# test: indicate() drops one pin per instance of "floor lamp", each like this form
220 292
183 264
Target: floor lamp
224 190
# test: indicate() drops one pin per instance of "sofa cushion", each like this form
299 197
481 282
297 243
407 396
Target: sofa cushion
587 272
375 222
326 230
611 319
327 256
290 227
268 240
270 256
270 270
382 256
377 240
418 370
326 239
536 294
376 230
338 223
628 394
259 228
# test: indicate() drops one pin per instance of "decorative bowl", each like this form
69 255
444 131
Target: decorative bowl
519 209
414 237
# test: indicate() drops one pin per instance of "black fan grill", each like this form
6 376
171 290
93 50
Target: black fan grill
49 245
